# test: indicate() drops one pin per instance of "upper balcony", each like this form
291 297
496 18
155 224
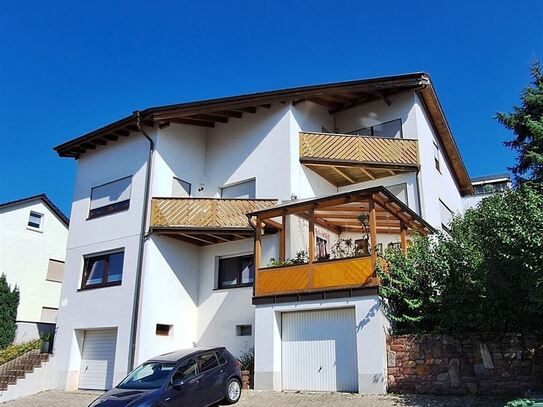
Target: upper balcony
205 221
345 159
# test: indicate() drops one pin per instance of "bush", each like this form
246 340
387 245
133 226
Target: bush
14 351
485 275
9 302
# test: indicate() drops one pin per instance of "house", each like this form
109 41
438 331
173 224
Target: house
252 221
485 186
33 236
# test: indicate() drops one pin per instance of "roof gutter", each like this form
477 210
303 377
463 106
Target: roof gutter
139 269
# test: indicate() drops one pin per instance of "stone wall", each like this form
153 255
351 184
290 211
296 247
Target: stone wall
437 364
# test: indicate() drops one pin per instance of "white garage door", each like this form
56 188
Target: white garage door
97 359
319 350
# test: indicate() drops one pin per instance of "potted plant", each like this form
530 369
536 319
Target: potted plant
247 361
46 342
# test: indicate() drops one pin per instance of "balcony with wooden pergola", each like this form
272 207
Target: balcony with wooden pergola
373 214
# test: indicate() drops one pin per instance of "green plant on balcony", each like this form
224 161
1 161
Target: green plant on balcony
301 257
347 247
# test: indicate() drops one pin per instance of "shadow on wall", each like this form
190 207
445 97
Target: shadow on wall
29 331
372 312
175 254
226 155
221 327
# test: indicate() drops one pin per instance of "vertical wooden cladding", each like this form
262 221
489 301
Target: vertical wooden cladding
204 212
317 276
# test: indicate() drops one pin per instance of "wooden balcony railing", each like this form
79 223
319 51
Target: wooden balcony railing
348 159
204 212
364 149
317 276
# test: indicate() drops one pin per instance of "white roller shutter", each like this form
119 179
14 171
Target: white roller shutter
319 350
98 359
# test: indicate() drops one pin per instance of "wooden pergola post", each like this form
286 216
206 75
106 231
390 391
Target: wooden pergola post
311 248
258 250
403 233
373 231
282 238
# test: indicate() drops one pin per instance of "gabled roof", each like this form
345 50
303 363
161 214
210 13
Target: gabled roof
63 218
336 97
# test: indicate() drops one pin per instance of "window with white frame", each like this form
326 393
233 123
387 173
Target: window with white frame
180 188
110 198
35 220
436 157
244 189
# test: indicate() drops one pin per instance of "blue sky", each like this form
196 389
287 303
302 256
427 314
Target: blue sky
68 67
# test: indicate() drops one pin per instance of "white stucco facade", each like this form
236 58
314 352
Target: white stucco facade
25 255
179 281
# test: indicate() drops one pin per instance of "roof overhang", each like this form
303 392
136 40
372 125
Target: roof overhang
336 97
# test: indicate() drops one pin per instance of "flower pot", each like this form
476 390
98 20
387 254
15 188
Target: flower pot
245 378
46 347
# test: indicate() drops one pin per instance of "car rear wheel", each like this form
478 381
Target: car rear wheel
233 391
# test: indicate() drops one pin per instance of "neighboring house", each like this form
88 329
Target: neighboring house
485 186
169 241
33 236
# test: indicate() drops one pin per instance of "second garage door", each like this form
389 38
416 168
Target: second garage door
319 350
98 359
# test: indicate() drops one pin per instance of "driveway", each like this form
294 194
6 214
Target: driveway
253 398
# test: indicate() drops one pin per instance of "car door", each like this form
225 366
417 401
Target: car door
212 376
190 392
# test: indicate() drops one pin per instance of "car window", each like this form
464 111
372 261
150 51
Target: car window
147 376
207 361
186 371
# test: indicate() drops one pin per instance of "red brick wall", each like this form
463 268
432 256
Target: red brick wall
437 364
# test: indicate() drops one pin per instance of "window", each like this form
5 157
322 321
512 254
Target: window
35 220
163 329
244 189
55 271
220 358
150 375
390 129
236 271
436 157
186 371
484 189
110 198
244 330
49 315
446 214
180 188
102 271
207 362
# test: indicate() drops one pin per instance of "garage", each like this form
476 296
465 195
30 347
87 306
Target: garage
319 350
98 359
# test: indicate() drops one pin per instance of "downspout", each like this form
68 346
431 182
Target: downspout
139 269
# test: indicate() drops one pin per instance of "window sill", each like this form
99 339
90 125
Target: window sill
34 229
233 287
94 287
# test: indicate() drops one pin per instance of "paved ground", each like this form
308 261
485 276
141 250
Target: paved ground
276 399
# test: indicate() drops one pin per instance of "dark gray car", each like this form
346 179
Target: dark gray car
191 377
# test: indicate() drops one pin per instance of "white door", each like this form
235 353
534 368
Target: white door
319 350
98 359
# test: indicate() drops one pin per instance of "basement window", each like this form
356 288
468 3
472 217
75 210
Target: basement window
244 330
163 329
